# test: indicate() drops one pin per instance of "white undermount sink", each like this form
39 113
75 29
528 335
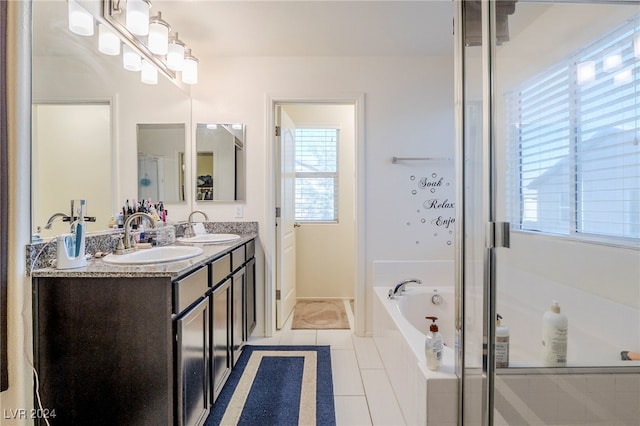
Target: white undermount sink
154 255
208 239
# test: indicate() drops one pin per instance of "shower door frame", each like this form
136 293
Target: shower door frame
496 234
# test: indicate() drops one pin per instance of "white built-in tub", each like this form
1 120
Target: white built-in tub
399 330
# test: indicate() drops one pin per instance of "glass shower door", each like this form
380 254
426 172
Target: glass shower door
550 165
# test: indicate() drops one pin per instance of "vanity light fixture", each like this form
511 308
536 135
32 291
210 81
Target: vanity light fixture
108 41
129 20
158 35
137 16
148 72
190 68
80 20
130 59
175 54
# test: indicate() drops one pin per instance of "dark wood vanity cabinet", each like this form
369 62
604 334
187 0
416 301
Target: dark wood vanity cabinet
103 350
140 350
192 351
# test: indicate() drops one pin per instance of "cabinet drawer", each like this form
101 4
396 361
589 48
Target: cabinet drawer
251 249
220 269
237 258
189 289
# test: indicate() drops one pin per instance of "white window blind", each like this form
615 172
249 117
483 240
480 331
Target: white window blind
575 142
316 175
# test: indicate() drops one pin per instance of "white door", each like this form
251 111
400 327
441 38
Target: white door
285 223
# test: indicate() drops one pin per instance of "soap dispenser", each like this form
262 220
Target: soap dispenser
433 346
502 344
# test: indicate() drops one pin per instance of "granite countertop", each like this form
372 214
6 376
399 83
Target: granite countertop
99 268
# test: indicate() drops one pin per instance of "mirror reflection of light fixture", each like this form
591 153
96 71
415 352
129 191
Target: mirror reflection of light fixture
586 72
108 41
148 72
175 53
158 35
130 59
80 20
612 62
137 17
623 77
190 68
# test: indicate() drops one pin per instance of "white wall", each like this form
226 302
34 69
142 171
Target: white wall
325 252
408 111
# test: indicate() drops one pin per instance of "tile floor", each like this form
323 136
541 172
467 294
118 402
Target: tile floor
363 394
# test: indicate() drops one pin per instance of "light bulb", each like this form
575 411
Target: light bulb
137 17
108 41
190 68
158 35
130 59
175 54
80 20
148 73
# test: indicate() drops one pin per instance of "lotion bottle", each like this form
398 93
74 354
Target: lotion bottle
502 344
433 346
554 337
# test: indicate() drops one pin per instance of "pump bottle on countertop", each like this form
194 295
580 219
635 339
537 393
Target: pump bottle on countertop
502 344
433 346
554 337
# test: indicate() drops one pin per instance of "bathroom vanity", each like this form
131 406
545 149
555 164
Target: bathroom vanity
142 345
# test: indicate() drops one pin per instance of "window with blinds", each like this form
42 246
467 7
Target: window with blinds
575 142
316 185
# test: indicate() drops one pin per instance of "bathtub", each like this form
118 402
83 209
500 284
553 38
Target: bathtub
399 329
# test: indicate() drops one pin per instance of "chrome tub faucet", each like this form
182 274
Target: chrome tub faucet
399 288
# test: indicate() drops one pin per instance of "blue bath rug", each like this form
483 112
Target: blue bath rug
277 385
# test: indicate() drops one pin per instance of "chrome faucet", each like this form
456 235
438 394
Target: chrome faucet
53 218
189 229
128 243
399 288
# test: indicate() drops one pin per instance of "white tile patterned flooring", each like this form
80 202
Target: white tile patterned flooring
362 392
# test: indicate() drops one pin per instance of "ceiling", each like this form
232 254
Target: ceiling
311 27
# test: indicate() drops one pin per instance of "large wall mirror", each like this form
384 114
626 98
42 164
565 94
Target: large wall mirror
220 170
98 162
161 162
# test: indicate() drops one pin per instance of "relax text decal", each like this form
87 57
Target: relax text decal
434 193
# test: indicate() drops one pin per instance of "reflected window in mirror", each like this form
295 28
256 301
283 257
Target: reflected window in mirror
161 165
219 162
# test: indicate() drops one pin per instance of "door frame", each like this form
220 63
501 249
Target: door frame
357 100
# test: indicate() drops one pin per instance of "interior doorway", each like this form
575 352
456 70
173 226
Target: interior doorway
316 203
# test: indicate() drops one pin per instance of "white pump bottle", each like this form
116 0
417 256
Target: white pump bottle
555 326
